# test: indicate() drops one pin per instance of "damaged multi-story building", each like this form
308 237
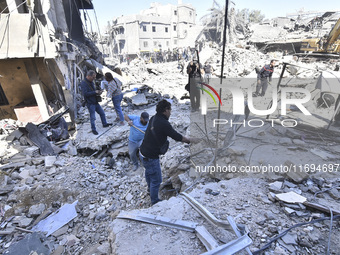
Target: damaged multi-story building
161 27
43 53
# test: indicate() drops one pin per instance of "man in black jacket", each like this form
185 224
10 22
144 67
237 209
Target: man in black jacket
90 92
155 138
262 78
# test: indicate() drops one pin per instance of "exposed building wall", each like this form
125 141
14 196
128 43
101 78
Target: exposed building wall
16 84
44 41
17 42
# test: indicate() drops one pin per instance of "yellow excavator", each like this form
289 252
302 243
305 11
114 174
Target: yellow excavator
324 46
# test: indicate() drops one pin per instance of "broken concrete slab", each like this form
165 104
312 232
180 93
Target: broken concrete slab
139 99
49 161
295 176
58 219
275 186
31 244
291 197
36 210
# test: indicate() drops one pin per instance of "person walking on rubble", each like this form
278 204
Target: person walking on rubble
155 143
194 71
90 92
263 76
208 69
113 86
137 130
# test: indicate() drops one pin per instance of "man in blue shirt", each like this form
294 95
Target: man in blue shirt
138 127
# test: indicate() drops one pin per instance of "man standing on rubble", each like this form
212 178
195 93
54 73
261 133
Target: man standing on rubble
137 130
263 76
155 143
90 93
194 71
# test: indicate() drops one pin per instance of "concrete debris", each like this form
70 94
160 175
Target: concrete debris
43 173
291 197
58 219
139 99
31 244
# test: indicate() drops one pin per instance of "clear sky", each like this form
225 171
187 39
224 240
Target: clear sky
108 9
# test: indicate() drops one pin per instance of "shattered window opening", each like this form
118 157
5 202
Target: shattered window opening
3 98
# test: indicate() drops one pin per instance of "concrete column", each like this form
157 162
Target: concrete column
37 88
12 6
40 97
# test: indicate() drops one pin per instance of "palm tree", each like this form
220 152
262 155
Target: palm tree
214 21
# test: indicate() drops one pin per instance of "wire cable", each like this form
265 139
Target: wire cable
266 246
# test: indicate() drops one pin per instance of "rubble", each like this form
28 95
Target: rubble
38 180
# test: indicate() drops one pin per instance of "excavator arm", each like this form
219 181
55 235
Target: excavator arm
332 37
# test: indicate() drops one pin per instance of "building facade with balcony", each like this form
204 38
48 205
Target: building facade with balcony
161 27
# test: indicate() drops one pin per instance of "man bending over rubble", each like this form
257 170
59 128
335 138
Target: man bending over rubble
155 143
90 92
137 130
262 79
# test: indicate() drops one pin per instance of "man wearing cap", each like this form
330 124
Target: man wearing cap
138 126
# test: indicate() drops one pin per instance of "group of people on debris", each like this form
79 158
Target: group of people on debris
147 136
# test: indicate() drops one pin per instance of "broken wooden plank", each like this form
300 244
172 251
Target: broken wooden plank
13 165
321 208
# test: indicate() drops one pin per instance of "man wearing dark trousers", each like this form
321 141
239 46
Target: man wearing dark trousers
194 70
263 76
155 138
90 92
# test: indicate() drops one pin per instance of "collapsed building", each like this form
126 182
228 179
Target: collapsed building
44 54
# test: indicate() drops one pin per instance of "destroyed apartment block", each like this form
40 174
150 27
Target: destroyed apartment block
290 34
